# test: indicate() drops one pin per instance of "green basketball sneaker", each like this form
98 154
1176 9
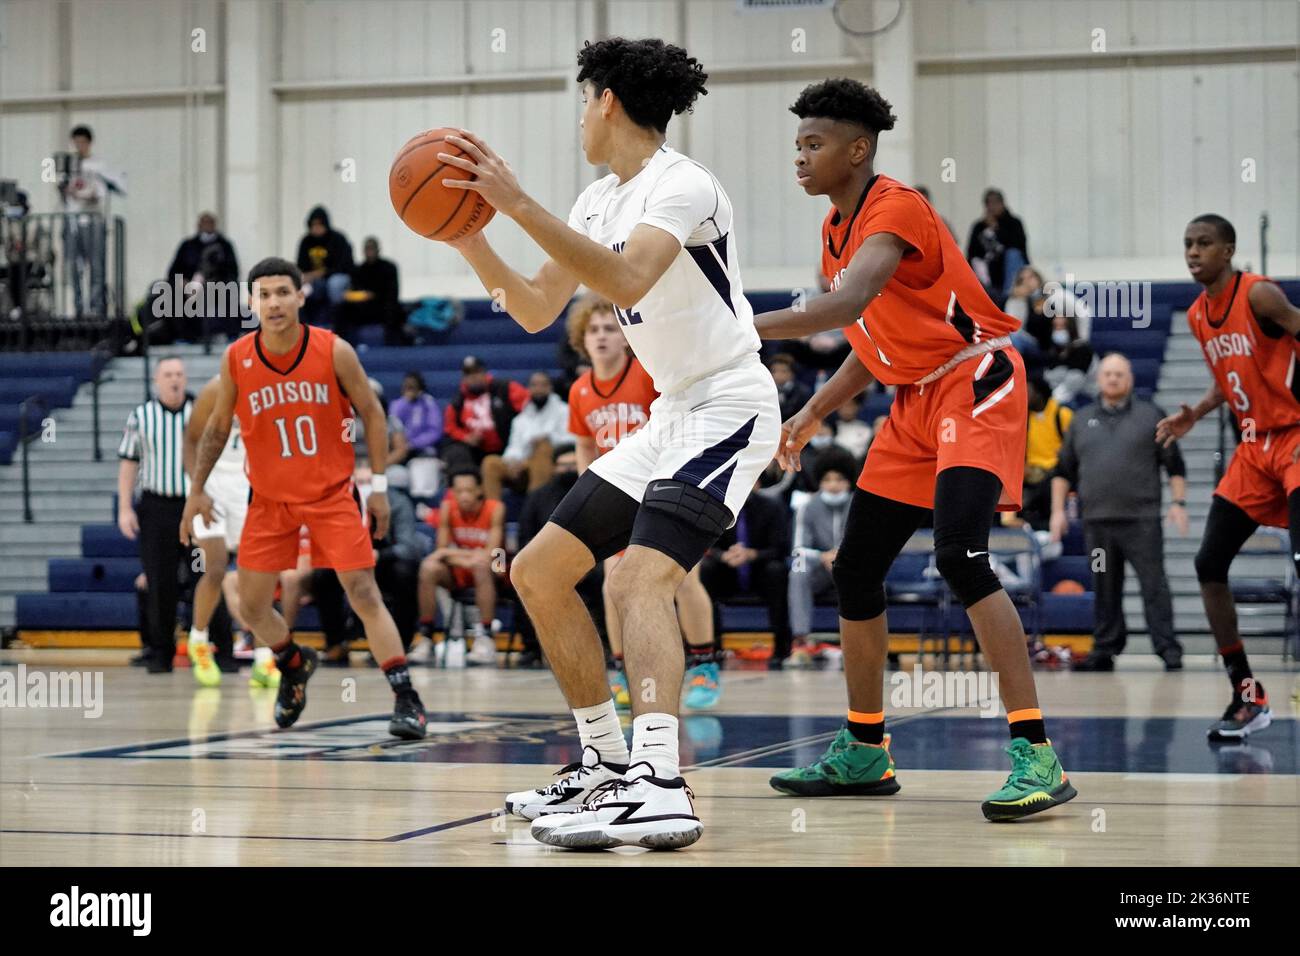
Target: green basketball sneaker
1037 783
847 769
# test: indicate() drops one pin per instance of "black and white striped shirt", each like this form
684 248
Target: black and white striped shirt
154 437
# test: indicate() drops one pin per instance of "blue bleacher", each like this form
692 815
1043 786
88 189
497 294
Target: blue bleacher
96 589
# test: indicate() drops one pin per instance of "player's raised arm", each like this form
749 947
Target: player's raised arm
871 267
622 277
357 388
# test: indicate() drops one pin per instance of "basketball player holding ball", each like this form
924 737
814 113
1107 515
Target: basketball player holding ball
296 390
655 238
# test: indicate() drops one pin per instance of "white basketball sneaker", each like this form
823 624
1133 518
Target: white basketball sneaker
575 786
637 810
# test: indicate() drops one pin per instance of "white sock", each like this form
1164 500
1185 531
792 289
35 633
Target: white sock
598 728
262 654
197 636
654 741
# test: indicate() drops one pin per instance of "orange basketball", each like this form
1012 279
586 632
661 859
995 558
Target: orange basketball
423 202
1067 586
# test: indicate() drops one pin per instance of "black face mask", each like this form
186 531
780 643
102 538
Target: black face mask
541 402
478 389
566 479
1037 403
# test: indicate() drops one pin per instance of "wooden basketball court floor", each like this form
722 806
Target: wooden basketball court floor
171 775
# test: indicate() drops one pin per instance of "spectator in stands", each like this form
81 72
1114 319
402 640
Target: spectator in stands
792 393
750 559
84 196
818 528
925 191
469 554
476 423
821 444
205 257
997 247
1110 454
419 414
851 432
152 451
372 298
539 428
537 510
397 571
1070 361
1025 303
1048 423
325 258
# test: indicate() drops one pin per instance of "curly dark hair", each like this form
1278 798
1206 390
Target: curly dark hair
848 100
653 80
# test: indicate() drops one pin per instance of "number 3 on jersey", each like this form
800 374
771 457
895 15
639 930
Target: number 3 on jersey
1240 400
304 427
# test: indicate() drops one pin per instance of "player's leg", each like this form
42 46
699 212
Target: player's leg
340 534
1226 529
858 761
614 630
434 573
695 613
484 650
207 595
592 523
674 527
965 507
270 543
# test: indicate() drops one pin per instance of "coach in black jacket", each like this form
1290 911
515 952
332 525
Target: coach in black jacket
1111 456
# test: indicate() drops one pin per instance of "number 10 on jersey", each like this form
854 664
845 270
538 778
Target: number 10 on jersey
304 427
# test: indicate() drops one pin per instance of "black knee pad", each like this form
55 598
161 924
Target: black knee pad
679 520
1212 565
598 514
968 574
860 590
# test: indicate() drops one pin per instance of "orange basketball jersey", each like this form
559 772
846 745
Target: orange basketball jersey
931 308
611 410
1253 361
469 531
292 417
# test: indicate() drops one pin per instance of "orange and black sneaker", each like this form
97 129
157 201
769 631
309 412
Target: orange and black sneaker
1242 718
292 698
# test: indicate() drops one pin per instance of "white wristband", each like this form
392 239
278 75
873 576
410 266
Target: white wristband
379 483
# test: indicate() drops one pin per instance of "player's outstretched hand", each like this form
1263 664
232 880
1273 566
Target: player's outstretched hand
494 180
198 503
1174 427
377 505
796 431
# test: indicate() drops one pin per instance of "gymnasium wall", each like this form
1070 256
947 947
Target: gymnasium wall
1105 155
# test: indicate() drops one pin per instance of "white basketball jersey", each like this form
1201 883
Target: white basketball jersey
695 319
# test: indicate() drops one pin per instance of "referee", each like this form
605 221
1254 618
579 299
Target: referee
151 451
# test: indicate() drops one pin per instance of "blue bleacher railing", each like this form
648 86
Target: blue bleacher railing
24 408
